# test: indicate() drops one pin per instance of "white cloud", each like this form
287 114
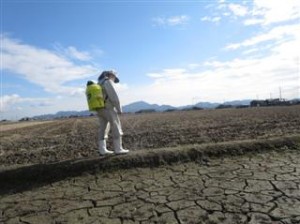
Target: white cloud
229 80
168 74
171 21
224 9
251 51
269 59
258 12
74 53
178 20
238 10
253 21
266 12
14 107
215 19
44 67
155 75
7 100
121 87
158 21
14 101
193 65
277 33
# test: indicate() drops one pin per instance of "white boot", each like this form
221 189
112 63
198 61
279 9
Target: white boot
102 148
118 146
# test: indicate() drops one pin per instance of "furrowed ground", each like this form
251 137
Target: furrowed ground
210 166
77 138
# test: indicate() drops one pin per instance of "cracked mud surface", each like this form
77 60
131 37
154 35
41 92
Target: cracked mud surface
255 188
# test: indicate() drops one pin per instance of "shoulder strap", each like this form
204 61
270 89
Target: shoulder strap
101 83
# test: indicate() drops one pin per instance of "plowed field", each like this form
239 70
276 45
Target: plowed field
59 140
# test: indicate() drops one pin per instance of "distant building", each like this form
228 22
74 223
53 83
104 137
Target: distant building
258 103
271 102
26 119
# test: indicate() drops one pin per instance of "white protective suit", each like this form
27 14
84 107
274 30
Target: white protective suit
108 118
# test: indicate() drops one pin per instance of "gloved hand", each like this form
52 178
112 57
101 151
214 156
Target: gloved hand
118 110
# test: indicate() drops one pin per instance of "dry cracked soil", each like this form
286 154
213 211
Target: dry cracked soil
254 188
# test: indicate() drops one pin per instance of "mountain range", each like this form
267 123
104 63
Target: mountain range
142 106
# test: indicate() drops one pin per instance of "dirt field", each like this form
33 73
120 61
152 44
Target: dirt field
77 138
213 166
5 126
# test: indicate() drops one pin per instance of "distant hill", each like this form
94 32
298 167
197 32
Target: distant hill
61 114
142 106
209 105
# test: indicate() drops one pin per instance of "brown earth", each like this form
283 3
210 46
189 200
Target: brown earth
212 166
5 126
77 138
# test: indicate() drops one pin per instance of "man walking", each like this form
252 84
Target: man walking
109 115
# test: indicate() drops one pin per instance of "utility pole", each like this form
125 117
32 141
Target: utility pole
270 96
280 97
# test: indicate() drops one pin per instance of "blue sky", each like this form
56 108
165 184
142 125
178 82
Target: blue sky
165 52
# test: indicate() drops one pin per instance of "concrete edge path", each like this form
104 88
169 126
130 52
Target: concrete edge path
32 176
